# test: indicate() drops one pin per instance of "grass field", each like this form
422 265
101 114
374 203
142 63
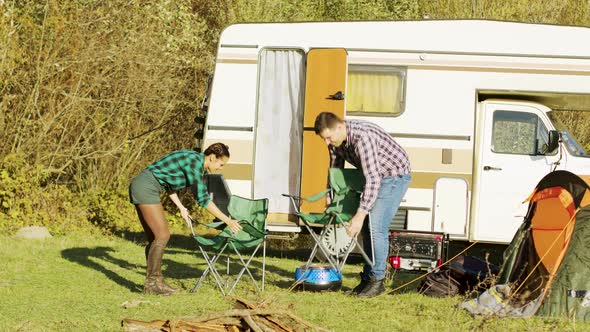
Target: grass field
79 282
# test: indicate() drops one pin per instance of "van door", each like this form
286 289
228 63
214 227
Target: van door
451 202
510 165
325 78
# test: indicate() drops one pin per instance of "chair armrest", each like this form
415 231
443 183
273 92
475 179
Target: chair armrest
292 196
355 190
247 227
215 224
250 229
309 198
210 225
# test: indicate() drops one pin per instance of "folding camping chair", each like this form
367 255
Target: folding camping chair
251 215
346 186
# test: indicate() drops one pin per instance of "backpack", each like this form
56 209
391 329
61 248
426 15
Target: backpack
440 284
462 275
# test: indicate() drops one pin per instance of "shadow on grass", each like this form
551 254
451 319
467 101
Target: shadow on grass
95 257
180 244
275 248
89 257
234 266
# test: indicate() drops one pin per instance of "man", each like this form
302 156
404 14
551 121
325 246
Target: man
386 168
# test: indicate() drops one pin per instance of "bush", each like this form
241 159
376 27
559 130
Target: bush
29 198
93 91
111 211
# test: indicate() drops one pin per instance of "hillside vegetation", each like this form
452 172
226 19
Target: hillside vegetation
93 91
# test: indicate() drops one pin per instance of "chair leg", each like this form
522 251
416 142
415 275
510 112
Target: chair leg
318 244
205 273
263 262
244 268
313 250
311 256
211 268
354 243
217 276
336 241
351 246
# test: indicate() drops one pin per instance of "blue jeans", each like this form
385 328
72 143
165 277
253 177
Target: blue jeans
391 192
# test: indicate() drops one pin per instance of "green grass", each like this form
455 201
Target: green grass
78 283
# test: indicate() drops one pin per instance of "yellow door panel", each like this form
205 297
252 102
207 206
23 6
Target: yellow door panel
325 77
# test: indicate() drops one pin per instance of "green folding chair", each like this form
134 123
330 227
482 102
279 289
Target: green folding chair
346 186
251 215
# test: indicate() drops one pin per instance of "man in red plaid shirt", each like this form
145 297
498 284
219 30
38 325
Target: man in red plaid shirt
386 168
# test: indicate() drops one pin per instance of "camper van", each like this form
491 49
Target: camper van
473 102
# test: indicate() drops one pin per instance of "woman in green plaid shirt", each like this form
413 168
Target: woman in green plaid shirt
175 171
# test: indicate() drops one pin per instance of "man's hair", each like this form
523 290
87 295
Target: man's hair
325 120
220 150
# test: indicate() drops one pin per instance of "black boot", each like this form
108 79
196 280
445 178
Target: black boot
154 282
374 287
359 288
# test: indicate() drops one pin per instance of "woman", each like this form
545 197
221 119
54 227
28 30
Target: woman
178 170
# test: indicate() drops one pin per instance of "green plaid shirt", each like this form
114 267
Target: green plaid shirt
182 169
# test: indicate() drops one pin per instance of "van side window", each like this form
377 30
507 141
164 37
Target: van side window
375 90
518 133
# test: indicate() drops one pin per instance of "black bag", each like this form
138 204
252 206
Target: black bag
462 275
440 284
474 274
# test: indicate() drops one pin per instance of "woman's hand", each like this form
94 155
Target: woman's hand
233 225
183 210
185 215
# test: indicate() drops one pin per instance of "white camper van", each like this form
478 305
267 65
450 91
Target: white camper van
470 100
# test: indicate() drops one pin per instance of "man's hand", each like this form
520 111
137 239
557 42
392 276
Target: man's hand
356 224
233 225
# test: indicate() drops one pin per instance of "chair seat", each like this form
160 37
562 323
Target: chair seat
324 218
240 240
314 218
214 242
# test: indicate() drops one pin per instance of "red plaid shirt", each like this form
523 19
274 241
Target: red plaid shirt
370 148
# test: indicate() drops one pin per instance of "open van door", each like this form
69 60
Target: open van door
512 158
325 85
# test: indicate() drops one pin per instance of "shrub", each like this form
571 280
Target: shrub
29 198
111 210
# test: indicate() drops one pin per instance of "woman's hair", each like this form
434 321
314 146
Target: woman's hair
220 150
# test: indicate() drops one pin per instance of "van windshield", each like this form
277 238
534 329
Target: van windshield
570 142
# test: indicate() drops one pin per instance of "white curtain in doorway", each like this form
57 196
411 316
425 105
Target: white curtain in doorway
277 168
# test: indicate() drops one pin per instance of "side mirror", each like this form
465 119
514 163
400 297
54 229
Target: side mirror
553 142
205 100
199 133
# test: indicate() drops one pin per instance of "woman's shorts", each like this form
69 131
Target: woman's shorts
145 189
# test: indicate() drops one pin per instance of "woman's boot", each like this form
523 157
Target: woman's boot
154 282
